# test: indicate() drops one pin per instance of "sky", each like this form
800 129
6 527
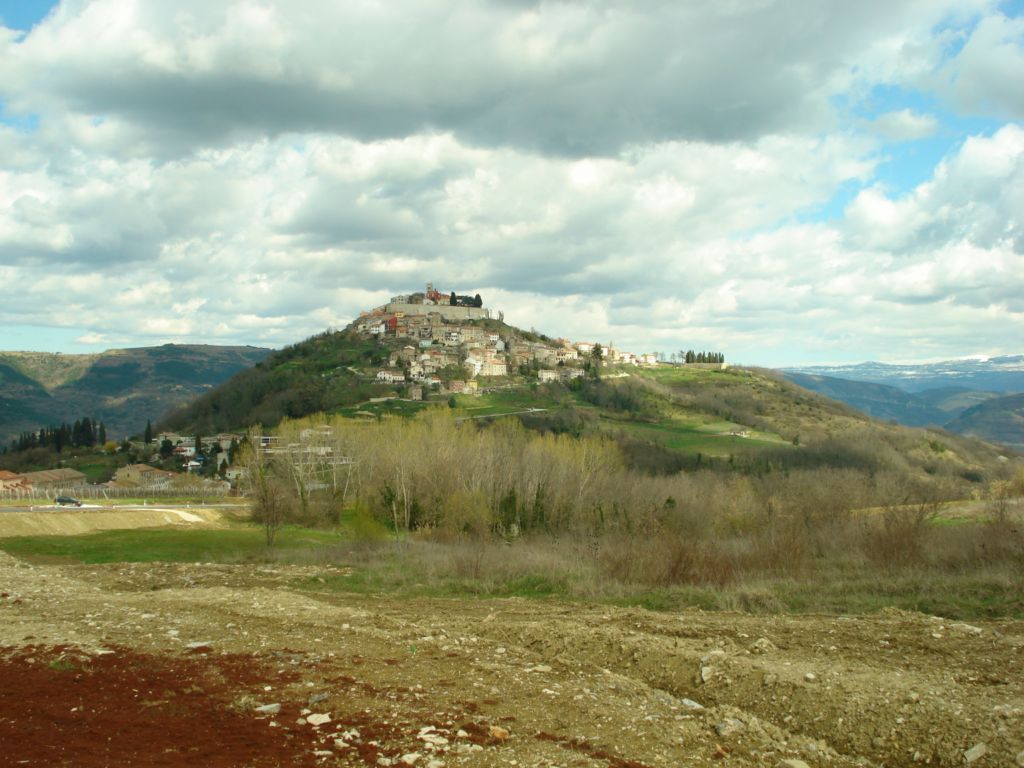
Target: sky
786 181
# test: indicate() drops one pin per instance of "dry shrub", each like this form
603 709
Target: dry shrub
1003 538
898 536
439 554
996 541
779 551
665 560
754 599
468 560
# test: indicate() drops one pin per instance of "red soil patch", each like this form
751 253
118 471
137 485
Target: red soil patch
62 707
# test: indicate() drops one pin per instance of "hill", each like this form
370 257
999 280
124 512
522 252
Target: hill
953 401
665 418
999 419
956 409
881 401
123 387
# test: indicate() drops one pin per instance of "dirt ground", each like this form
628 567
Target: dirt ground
71 522
171 665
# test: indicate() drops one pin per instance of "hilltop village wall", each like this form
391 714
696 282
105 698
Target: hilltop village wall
446 311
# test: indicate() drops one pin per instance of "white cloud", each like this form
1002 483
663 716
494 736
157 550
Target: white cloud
905 124
976 194
645 174
986 74
562 78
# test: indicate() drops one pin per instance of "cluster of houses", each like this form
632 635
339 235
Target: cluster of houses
44 481
146 477
185 448
137 476
53 482
444 335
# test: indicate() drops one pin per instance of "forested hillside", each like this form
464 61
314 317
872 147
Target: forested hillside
122 388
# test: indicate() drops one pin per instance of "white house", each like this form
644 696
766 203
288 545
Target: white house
566 354
494 368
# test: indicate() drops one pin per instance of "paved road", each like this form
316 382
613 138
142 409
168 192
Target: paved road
44 507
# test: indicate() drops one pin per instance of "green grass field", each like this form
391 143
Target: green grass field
682 374
394 407
709 439
240 543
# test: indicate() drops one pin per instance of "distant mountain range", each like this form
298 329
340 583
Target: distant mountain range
977 397
121 387
994 374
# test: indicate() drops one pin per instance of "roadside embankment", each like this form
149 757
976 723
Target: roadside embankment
51 522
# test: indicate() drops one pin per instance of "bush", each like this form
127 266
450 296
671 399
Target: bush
898 536
365 528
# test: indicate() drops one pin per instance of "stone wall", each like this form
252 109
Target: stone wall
446 311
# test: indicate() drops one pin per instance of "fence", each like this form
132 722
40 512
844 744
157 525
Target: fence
102 492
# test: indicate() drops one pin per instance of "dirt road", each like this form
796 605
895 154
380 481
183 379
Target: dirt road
159 664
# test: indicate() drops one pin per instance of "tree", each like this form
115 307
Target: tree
147 436
452 300
596 356
477 301
270 502
166 448
102 437
88 433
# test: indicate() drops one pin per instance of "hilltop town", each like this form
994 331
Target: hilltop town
426 346
453 341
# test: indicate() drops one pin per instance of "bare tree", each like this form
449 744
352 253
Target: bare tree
267 486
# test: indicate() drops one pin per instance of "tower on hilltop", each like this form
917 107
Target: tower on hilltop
434 295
